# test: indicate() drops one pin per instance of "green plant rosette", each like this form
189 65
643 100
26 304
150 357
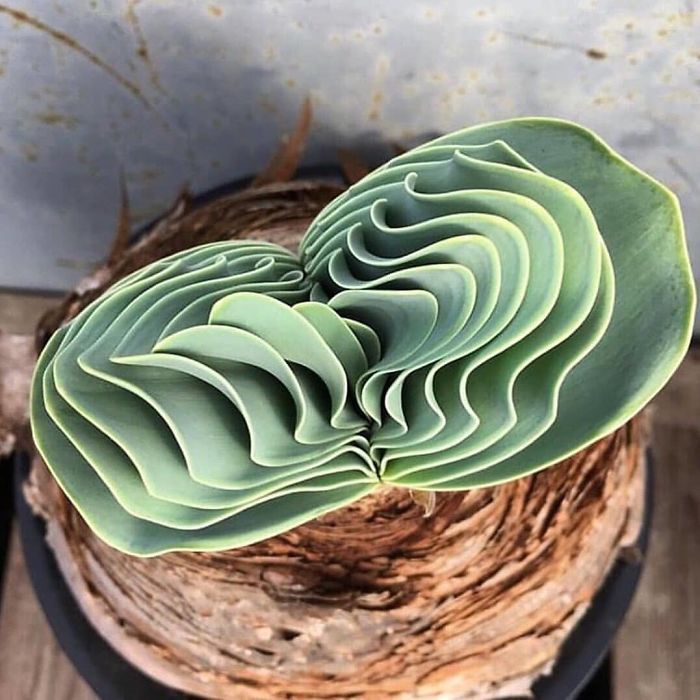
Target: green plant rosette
473 311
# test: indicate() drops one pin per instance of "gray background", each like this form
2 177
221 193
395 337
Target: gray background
169 91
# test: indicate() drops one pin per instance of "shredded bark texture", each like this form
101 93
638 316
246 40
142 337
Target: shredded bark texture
469 598
375 600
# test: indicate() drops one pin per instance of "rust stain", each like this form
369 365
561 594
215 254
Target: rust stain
380 72
22 18
602 100
553 44
141 45
290 82
215 10
596 54
377 99
685 17
50 117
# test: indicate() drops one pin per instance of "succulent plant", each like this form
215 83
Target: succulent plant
475 310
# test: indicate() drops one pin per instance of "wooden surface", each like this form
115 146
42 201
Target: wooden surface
32 666
657 656
19 313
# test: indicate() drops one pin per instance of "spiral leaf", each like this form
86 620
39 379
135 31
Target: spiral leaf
177 413
474 310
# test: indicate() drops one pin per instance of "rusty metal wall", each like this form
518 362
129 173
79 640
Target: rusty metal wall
182 90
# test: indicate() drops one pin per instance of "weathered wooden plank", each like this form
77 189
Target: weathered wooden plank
32 666
19 313
657 655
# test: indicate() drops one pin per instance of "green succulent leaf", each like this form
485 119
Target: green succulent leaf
475 310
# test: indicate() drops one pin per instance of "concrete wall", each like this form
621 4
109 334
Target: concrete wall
176 90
